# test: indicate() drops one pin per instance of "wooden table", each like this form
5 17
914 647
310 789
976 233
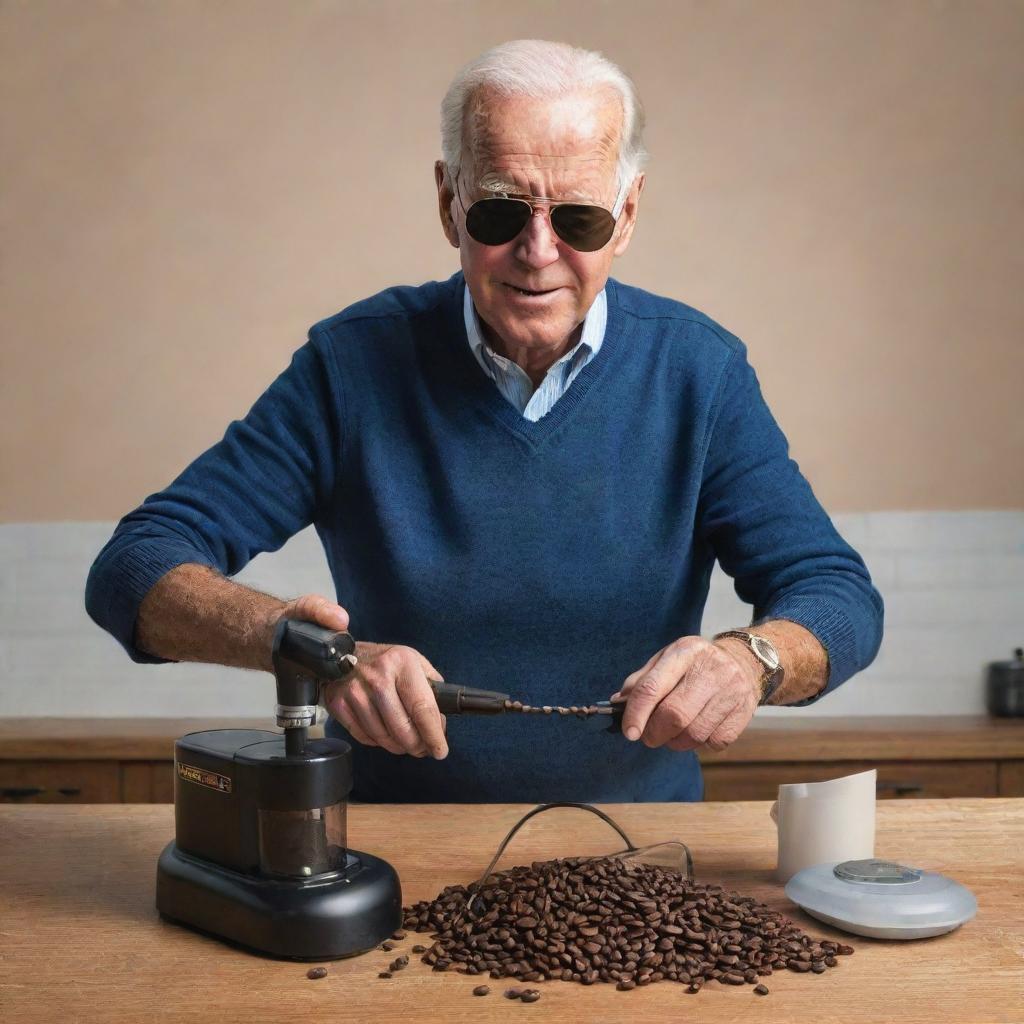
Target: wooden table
80 940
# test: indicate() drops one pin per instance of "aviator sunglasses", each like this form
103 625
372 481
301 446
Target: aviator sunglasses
498 219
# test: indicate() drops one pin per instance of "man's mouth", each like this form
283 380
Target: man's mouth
530 291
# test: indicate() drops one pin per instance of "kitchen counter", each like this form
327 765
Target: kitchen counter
80 939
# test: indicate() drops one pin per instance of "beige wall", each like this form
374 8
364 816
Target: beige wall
188 185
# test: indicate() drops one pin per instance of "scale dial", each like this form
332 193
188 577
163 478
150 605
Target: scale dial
879 872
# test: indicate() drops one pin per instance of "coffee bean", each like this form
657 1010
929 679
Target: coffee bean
761 990
316 972
531 995
419 949
587 920
482 990
384 974
399 935
513 993
387 946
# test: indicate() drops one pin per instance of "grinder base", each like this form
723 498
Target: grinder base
318 918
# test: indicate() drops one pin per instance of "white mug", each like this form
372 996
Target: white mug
824 822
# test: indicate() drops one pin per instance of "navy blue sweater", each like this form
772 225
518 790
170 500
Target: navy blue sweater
546 559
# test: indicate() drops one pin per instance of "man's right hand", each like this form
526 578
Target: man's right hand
386 701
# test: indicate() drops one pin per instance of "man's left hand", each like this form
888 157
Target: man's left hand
692 693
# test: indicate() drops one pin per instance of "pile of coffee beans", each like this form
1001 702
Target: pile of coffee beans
610 920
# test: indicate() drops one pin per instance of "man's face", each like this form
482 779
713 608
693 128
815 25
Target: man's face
533 293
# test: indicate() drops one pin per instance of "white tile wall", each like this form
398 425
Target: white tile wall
953 584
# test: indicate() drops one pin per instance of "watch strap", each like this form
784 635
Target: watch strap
772 676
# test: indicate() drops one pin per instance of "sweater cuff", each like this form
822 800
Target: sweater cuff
115 591
833 630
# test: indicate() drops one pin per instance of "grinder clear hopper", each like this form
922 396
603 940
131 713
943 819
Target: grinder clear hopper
303 843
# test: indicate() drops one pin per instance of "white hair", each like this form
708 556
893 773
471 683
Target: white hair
535 67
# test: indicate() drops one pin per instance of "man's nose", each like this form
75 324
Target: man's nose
537 243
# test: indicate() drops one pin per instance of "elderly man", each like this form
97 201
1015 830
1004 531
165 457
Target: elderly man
522 477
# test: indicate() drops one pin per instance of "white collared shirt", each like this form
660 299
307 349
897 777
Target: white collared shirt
512 380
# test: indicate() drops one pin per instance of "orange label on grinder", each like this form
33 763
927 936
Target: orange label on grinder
202 777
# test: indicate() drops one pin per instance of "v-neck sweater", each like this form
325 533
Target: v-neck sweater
546 559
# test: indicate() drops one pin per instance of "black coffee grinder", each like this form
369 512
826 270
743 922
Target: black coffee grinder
260 854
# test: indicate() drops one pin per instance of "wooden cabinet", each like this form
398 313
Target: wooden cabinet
896 779
95 760
916 757
60 782
1011 778
86 782
63 760
147 782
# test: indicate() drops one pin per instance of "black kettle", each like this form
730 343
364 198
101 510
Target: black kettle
1004 689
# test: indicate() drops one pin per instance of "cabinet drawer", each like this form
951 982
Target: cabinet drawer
1011 778
147 782
59 782
896 779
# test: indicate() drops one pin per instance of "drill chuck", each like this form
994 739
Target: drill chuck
467 700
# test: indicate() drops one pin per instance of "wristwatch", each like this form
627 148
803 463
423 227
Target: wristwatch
764 651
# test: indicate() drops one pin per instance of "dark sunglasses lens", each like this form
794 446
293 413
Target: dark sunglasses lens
585 228
497 221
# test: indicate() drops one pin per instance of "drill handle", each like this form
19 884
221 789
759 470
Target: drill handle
305 653
324 652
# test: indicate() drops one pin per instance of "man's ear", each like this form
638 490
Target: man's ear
627 219
445 198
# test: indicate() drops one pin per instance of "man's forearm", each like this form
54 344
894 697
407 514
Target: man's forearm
195 614
804 660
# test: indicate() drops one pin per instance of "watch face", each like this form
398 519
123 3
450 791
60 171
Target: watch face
765 651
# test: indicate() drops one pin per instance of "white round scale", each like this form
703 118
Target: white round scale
881 899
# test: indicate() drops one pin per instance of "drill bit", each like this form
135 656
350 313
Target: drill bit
580 711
